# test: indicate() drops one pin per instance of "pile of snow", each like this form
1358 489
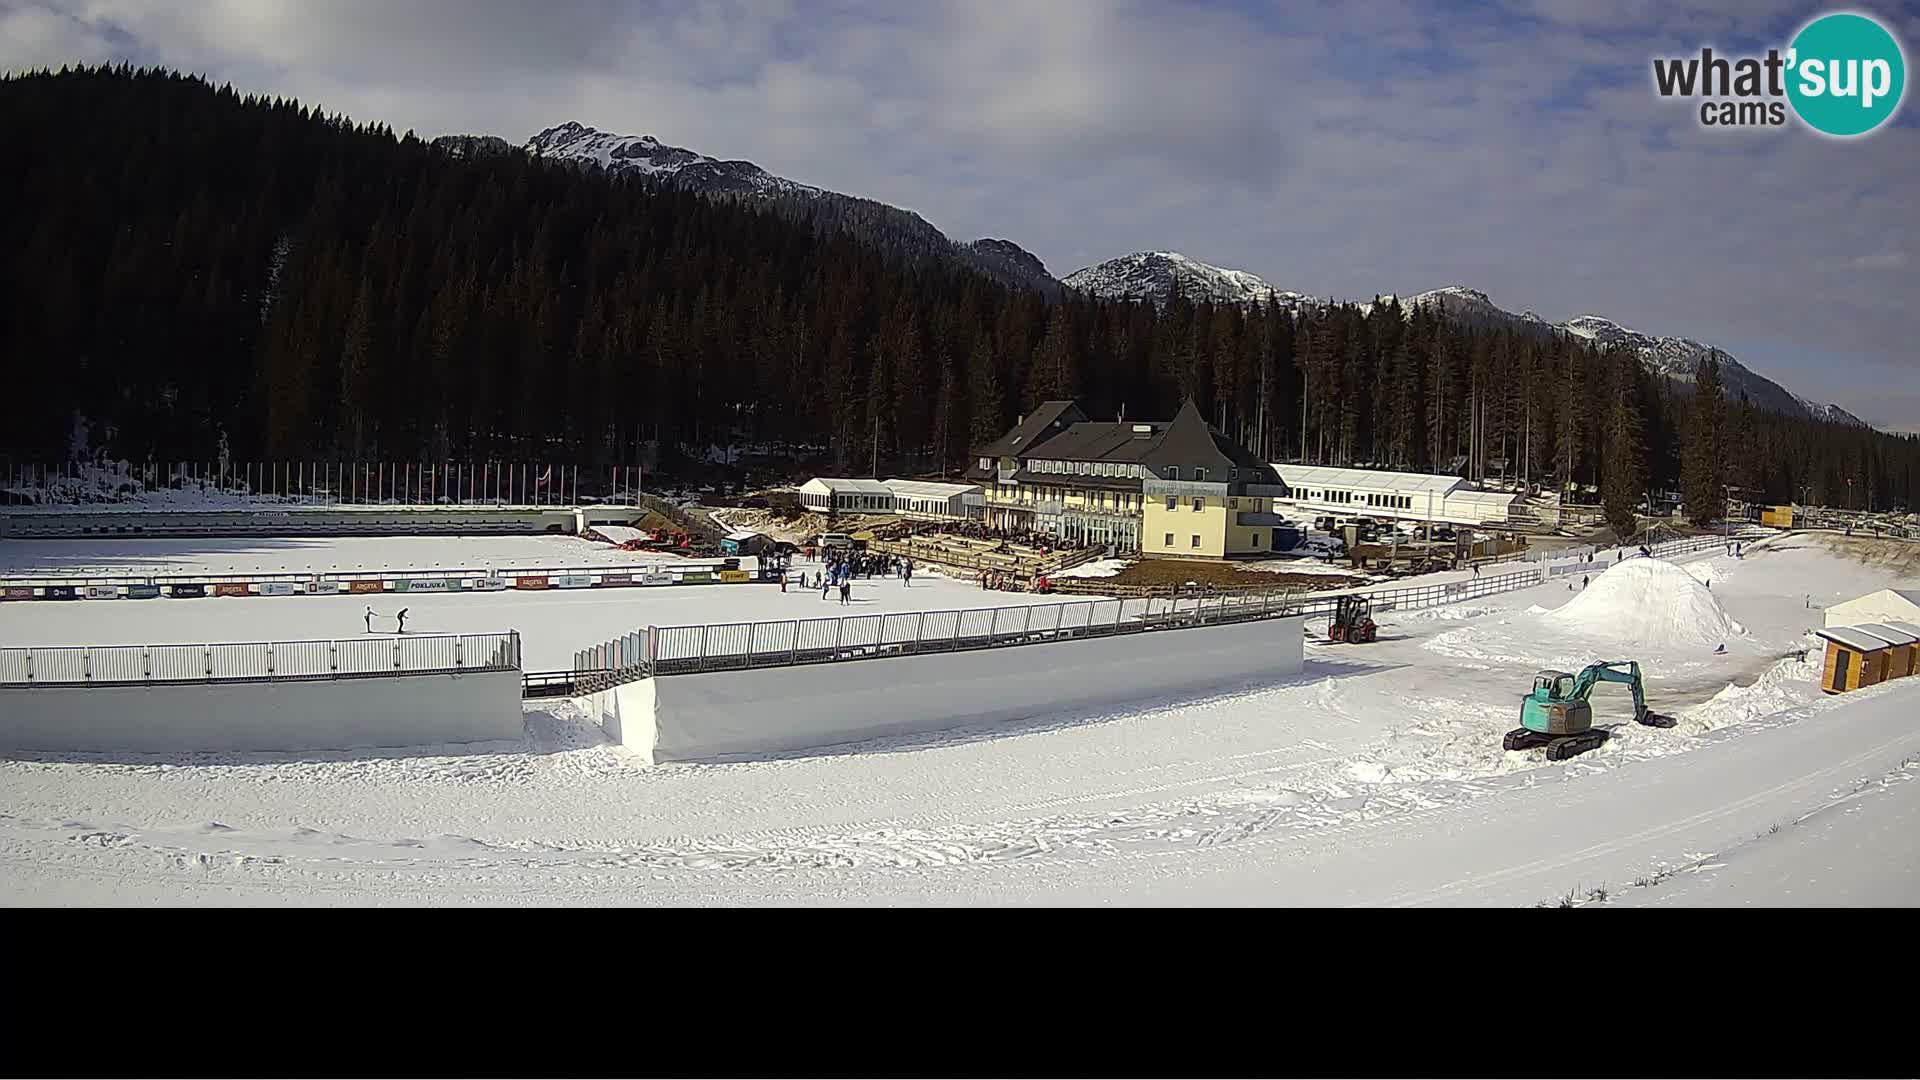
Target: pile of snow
1096 568
1303 566
1647 602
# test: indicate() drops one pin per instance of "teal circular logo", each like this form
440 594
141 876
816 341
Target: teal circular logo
1846 74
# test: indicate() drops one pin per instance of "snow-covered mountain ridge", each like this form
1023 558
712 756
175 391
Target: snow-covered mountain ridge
1152 276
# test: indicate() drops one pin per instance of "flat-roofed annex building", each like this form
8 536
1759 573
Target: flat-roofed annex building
1175 487
911 498
1330 491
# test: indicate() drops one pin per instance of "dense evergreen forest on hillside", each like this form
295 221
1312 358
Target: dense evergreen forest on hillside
185 263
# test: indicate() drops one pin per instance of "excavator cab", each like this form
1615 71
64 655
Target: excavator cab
1550 685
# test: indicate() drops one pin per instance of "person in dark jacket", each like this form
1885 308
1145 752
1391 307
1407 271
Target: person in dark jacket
403 620
369 618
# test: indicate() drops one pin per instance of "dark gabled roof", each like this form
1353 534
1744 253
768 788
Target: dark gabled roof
1041 424
1191 441
1058 430
1104 441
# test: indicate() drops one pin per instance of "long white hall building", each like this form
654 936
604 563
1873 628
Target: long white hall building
1325 490
910 498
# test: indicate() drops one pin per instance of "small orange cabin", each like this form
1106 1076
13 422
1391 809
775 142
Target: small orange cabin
1855 659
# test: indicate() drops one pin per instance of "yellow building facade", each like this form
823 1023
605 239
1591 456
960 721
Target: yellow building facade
1177 488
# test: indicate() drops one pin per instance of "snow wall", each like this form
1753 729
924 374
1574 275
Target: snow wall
767 710
304 714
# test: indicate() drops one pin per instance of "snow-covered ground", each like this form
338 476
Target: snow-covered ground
282 555
552 624
1377 779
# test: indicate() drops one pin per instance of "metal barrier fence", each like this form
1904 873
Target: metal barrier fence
677 650
425 654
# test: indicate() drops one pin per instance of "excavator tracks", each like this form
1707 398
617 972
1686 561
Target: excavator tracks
1559 747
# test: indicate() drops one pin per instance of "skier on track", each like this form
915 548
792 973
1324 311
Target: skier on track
369 618
403 620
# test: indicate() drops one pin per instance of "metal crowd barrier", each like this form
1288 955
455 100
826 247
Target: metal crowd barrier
423 654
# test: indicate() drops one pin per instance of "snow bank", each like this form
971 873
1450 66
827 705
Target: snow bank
1647 602
1096 568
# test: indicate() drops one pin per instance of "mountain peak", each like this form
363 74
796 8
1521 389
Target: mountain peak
1153 275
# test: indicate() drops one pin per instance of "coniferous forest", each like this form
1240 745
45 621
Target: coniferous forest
184 264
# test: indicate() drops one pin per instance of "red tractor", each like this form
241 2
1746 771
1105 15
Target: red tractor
1353 621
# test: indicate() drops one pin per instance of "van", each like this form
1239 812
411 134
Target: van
835 540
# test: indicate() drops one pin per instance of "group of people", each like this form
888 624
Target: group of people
842 566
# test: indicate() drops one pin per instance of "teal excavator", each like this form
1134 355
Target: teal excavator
1556 714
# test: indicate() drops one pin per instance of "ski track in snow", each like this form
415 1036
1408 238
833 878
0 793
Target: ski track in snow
566 814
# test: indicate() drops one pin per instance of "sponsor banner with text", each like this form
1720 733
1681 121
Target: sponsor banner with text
102 592
573 581
231 588
530 583
276 588
366 586
142 592
489 584
187 592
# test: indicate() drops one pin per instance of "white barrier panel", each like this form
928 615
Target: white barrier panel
102 592
490 584
765 710
308 714
276 588
573 581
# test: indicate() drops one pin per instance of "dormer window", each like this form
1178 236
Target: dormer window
1199 474
1173 472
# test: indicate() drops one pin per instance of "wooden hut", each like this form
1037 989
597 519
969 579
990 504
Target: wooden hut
1855 659
1904 655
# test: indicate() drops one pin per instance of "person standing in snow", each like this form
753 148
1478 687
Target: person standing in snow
826 582
403 620
1583 582
369 618
846 591
906 573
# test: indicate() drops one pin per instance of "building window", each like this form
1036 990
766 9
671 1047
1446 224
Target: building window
1256 540
1169 540
1173 472
1199 474
1199 504
1196 540
986 463
1233 504
1173 503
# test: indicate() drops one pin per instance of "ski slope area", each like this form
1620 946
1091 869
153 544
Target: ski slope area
1375 779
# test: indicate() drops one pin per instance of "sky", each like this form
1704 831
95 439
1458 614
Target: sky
1336 148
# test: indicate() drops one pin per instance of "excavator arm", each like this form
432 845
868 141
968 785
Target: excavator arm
1613 671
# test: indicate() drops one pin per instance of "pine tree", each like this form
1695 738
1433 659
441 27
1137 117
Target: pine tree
1620 481
985 407
1702 449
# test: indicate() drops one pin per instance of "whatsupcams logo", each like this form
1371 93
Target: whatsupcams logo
1843 75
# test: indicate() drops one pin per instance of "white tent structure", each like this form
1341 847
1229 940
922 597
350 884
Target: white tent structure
913 498
930 499
1396 496
1887 605
830 495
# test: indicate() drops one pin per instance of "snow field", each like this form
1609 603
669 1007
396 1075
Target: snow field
553 624
1376 779
263 555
